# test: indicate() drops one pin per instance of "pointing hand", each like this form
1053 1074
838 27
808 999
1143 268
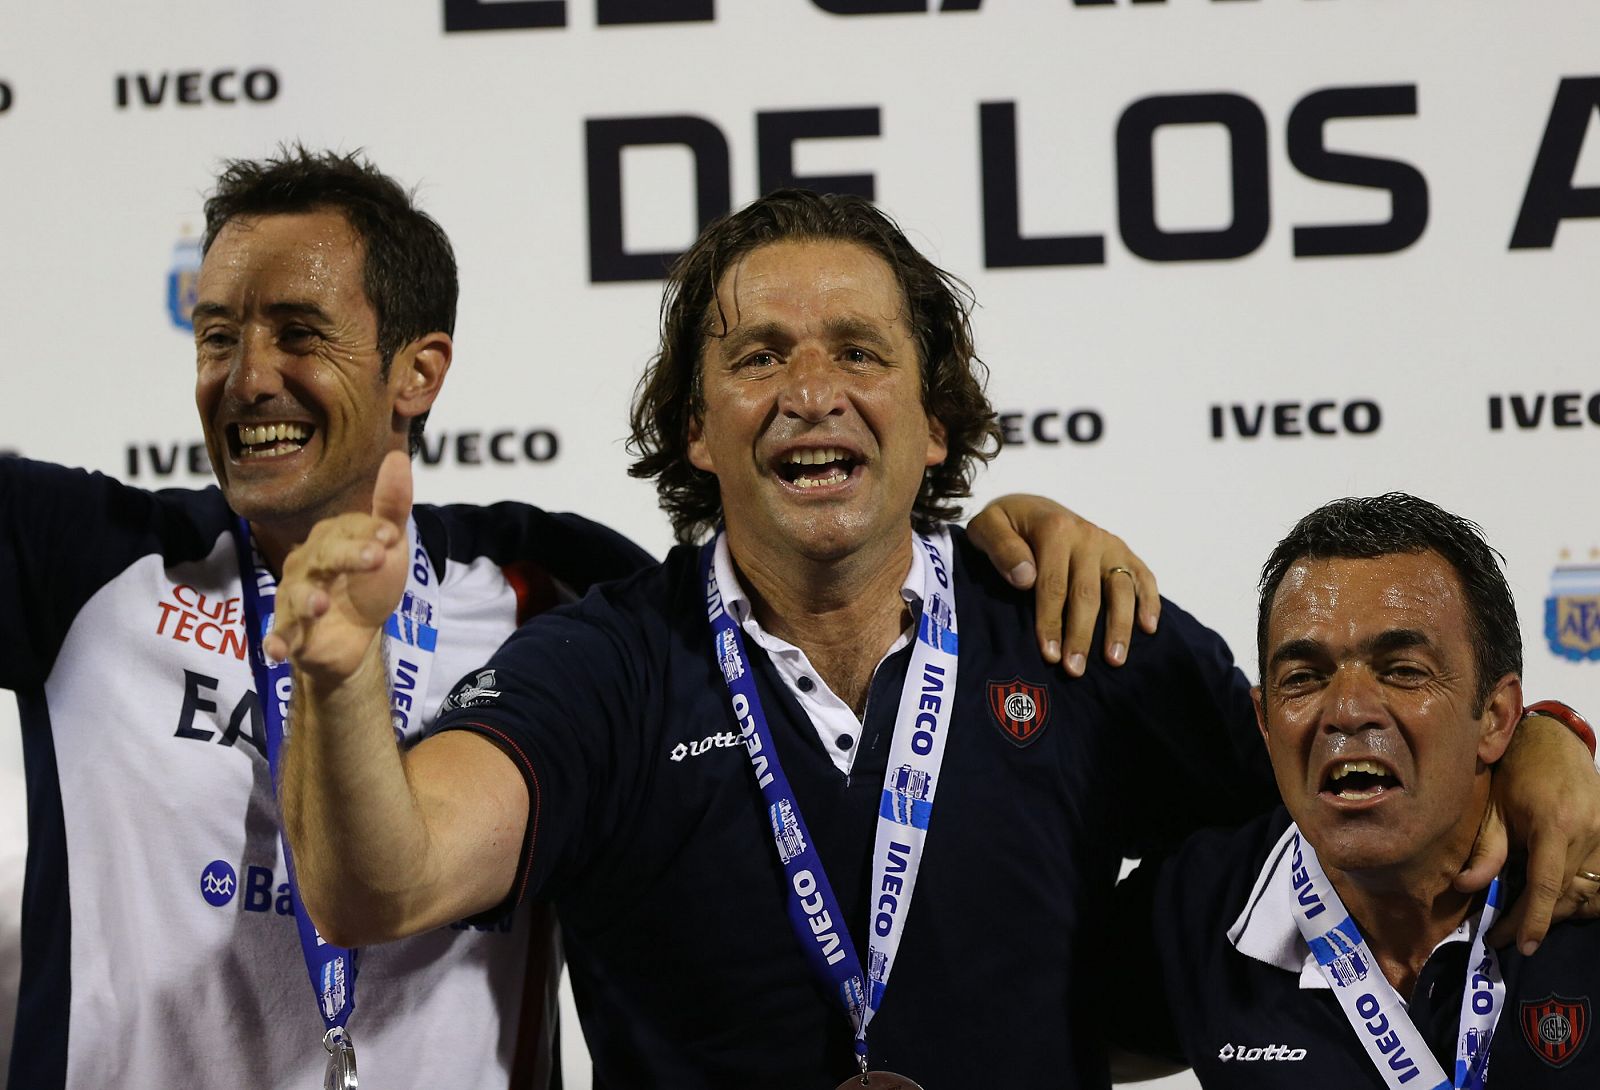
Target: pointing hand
340 587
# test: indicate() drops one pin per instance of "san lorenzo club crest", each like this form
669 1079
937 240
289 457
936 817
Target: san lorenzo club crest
1555 1027
1020 709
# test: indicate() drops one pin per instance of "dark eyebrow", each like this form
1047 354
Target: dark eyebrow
735 341
1386 642
207 310
295 308
1296 649
292 308
1398 639
853 330
857 330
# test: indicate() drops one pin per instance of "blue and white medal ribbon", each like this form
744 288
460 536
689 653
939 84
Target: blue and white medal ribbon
915 756
1395 1047
410 638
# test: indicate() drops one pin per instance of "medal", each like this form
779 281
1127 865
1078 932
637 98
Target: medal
878 1080
341 1073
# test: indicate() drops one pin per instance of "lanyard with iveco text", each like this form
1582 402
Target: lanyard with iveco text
1369 1001
412 634
921 729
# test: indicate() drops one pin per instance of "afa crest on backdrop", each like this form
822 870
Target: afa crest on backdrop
1572 612
183 280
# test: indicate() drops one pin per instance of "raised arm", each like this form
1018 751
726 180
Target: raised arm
386 843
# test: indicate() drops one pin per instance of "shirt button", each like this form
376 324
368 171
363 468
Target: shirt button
805 684
844 741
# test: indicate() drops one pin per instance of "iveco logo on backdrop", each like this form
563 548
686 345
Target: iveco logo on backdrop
1529 411
462 15
1295 419
504 446
499 446
196 87
1051 427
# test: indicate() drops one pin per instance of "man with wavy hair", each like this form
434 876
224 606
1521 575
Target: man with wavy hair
725 772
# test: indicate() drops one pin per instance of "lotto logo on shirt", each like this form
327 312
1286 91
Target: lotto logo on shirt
213 624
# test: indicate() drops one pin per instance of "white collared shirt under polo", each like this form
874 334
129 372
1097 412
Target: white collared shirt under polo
836 723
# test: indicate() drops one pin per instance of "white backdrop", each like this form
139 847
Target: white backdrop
1163 380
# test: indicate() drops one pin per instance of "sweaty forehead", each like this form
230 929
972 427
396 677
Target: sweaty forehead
1350 596
307 253
808 284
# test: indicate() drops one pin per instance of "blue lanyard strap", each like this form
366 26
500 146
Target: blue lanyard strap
1397 1050
332 969
915 758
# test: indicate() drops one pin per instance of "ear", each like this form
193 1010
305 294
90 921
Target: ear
699 453
1502 711
938 448
417 373
1261 711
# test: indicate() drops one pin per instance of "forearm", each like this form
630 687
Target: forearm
358 834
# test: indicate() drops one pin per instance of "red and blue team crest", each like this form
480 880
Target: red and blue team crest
1556 1027
1020 709
1572 612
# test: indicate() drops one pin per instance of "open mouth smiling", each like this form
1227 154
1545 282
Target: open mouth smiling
817 467
247 442
1359 781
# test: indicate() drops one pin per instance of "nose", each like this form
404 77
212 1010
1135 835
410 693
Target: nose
813 386
255 374
1353 701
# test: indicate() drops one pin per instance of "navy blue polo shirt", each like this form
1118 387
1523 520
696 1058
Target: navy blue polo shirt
1190 994
647 829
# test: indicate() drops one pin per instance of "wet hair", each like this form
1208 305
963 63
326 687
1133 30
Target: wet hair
1365 528
408 267
668 397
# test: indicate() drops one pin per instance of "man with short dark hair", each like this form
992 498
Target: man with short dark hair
1328 944
725 772
160 927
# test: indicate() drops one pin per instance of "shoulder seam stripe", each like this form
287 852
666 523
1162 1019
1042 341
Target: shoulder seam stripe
538 792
